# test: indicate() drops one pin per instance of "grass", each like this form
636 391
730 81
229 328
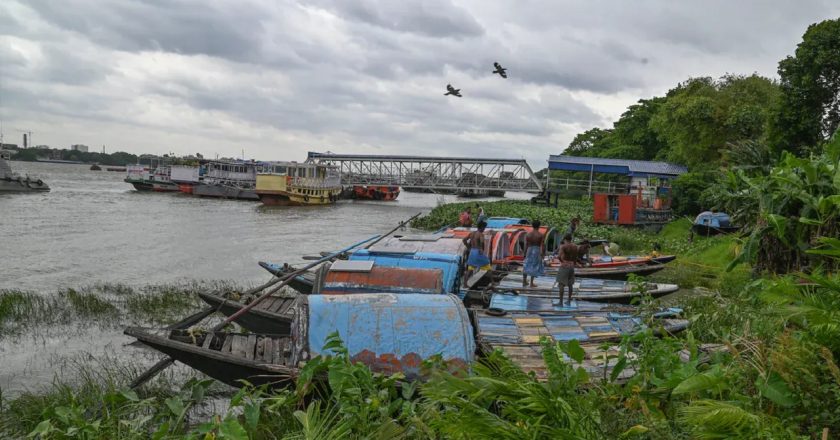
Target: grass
101 304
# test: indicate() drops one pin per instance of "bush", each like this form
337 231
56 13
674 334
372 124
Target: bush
689 196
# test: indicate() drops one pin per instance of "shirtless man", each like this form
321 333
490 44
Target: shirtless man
476 260
568 256
534 253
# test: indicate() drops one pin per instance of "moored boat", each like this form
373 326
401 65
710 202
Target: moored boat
296 184
13 182
713 223
270 316
375 192
430 325
228 180
588 289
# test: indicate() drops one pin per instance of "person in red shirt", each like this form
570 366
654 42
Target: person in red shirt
465 219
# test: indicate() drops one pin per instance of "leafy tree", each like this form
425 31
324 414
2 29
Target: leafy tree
632 134
809 109
588 142
701 116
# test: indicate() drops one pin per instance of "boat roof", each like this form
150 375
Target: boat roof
433 243
395 332
448 264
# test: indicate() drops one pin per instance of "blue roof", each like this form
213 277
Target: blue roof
379 326
449 264
614 166
502 222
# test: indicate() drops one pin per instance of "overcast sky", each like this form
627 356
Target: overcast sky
279 78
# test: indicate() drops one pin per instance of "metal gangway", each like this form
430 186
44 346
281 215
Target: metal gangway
454 174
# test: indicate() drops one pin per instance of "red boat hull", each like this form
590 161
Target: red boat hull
386 193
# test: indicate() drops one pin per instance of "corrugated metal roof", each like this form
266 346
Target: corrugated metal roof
614 166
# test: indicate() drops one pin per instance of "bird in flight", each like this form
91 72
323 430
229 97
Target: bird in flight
500 70
452 91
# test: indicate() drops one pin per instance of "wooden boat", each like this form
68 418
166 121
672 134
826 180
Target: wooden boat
713 223
95 167
227 357
374 192
302 283
523 328
295 184
270 316
448 264
430 325
528 303
587 289
611 273
348 277
117 169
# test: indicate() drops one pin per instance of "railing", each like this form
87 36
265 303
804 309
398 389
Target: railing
584 185
315 182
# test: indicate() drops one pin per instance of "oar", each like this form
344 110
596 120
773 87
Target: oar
163 363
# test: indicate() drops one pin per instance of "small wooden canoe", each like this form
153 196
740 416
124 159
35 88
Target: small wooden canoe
270 316
523 303
303 283
588 289
227 357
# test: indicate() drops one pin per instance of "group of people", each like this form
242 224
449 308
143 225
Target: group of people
569 254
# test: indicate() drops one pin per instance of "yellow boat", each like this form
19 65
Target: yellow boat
295 184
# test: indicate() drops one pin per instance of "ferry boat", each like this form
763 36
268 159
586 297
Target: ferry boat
187 177
375 192
229 180
294 184
143 179
13 182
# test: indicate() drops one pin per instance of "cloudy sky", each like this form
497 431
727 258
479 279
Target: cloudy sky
278 78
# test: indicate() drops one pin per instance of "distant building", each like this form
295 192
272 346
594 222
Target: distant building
79 147
8 147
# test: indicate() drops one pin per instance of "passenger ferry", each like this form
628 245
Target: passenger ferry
228 180
294 184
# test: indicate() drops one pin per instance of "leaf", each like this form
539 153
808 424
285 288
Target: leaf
252 415
618 368
776 390
231 429
43 428
574 350
700 382
130 395
635 430
175 405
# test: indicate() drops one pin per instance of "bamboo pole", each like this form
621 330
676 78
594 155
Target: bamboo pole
163 363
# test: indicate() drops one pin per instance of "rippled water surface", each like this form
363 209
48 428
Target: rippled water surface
94 228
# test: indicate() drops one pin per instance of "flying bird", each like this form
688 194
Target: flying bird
500 70
452 91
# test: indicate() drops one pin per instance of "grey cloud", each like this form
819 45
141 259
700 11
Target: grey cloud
430 18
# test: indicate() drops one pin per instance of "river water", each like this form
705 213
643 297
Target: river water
94 228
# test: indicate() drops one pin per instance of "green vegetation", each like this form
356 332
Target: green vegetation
119 158
102 304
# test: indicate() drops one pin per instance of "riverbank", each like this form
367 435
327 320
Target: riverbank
773 381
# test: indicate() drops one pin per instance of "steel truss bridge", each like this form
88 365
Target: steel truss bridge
452 174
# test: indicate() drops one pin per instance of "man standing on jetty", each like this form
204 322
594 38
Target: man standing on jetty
465 219
568 256
477 260
572 228
534 253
